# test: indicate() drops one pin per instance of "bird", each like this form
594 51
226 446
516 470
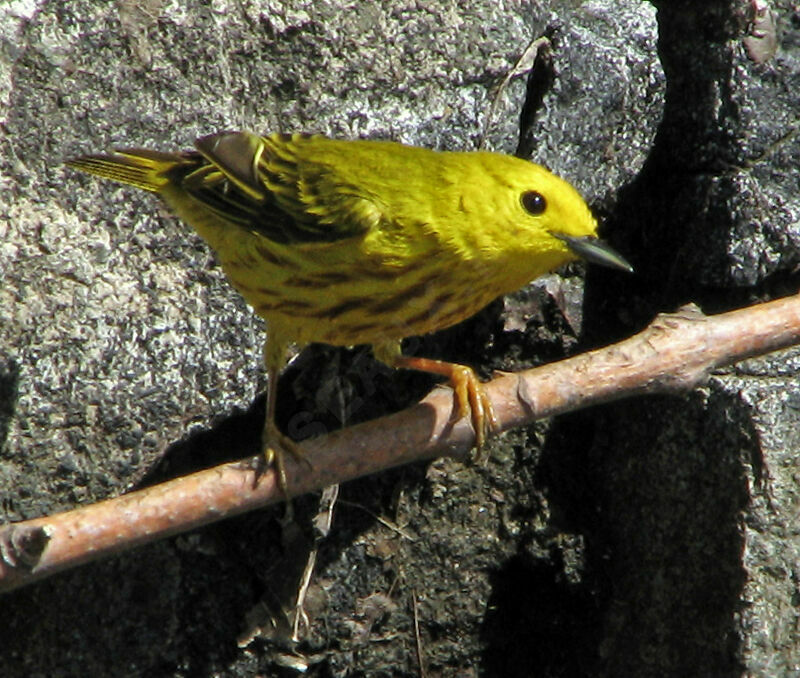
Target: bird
350 242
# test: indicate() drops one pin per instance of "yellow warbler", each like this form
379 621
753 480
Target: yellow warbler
365 242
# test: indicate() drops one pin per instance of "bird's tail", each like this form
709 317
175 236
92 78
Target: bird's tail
139 167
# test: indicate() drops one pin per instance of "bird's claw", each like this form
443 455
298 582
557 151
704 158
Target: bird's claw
473 400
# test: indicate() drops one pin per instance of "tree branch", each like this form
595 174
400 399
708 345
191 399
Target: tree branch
675 353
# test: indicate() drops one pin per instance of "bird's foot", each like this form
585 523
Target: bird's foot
471 396
275 447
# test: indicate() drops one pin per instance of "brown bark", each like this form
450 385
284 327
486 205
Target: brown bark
675 353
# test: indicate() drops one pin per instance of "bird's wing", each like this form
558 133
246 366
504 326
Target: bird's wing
260 184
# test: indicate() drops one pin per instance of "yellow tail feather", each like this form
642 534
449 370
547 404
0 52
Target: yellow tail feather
148 170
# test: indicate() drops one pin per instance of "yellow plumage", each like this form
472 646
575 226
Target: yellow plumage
365 242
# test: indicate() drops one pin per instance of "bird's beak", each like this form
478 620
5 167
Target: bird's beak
595 251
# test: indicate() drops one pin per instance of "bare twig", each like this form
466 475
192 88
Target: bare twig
383 521
417 637
322 527
524 64
674 353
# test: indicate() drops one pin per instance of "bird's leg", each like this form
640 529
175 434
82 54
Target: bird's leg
274 443
470 393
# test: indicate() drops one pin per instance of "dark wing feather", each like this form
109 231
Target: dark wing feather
260 184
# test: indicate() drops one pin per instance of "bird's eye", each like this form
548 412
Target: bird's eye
533 202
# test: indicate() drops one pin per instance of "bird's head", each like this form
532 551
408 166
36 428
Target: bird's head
545 217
